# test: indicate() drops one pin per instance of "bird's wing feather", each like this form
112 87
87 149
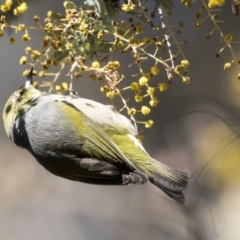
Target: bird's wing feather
98 137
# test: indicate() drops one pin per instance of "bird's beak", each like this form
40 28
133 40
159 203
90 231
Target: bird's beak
29 80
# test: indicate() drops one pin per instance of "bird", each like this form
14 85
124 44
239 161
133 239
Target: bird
83 140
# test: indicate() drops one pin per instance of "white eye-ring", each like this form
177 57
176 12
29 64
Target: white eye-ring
15 97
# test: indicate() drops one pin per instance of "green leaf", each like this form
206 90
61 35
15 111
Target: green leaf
60 55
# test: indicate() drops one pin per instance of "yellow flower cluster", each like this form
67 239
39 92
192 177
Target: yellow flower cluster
26 73
185 63
41 74
112 65
153 102
23 60
215 3
104 88
162 87
150 91
36 18
145 110
26 37
186 80
227 66
149 124
143 81
128 7
132 111
6 6
21 27
28 49
228 38
138 97
35 54
62 87
154 70
134 86
95 64
22 8
111 94
68 46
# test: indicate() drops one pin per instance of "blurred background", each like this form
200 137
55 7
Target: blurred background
196 130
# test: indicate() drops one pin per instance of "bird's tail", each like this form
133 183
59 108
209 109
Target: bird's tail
171 181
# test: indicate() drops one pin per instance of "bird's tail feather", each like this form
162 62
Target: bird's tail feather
170 180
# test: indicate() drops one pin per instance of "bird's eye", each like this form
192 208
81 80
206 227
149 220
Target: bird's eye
15 97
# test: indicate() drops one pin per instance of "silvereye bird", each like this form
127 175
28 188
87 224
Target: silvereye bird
83 140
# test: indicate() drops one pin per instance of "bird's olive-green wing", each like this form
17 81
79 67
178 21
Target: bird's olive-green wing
96 142
98 137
